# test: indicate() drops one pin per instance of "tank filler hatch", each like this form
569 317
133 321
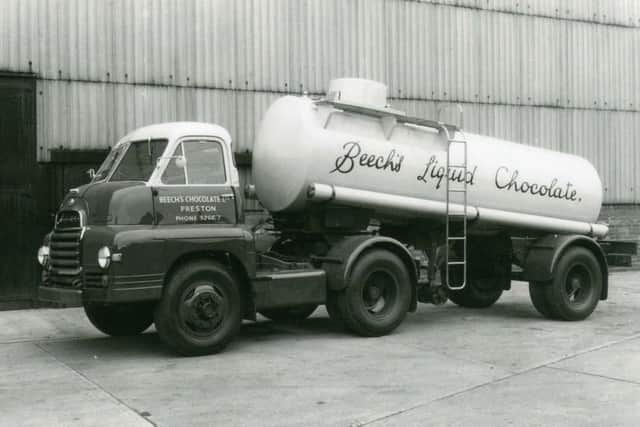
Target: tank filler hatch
366 93
368 97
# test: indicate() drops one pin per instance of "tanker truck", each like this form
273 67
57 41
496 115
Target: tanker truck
371 212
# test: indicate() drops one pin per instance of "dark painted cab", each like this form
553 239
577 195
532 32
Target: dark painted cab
163 191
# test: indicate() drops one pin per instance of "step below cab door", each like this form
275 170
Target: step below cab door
195 185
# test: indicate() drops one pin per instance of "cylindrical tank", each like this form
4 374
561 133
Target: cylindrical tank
308 151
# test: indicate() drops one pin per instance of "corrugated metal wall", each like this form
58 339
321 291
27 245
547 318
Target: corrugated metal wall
554 73
79 115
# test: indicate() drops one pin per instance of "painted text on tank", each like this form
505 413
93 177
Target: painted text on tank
436 172
354 156
510 180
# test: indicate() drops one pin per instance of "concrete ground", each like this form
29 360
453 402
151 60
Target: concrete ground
443 366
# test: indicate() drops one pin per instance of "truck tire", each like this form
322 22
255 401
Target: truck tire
536 293
377 297
201 309
289 313
119 320
478 293
574 291
488 272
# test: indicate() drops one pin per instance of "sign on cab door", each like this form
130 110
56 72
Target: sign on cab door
195 186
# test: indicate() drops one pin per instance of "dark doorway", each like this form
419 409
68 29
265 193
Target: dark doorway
24 204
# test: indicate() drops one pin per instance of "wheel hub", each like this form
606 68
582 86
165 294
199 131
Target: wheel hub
203 308
374 292
577 285
373 297
207 308
377 291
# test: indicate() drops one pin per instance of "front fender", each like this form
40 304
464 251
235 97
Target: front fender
543 255
147 255
180 242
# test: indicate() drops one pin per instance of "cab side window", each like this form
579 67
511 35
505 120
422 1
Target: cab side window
204 164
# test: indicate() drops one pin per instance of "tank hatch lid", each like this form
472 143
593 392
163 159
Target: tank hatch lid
368 97
363 92
399 116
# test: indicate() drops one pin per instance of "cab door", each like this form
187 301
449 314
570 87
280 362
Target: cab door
195 186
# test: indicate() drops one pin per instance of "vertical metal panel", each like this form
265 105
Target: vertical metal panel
426 50
89 115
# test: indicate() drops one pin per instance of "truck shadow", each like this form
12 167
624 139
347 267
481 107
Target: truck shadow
320 326
501 310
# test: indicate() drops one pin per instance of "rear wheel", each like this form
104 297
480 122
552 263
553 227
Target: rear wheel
575 289
478 293
537 294
201 309
289 313
377 297
120 319
488 272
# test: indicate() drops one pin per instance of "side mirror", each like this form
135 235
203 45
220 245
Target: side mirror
181 162
92 173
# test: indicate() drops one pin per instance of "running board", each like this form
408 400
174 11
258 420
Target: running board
274 289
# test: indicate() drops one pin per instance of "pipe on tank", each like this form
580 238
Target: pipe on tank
384 202
542 223
392 203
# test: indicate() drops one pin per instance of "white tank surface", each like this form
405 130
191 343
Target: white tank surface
310 151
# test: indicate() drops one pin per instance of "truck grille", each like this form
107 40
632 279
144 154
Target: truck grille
64 256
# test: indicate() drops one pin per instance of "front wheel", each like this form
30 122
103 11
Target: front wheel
120 319
574 291
377 297
289 313
201 309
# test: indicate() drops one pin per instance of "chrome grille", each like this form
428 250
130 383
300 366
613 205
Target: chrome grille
64 256
68 219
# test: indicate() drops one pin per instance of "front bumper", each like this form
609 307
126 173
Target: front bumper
135 294
64 296
75 297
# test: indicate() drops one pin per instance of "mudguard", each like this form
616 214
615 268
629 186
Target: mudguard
543 255
344 254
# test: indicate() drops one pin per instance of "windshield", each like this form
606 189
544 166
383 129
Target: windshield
107 164
138 161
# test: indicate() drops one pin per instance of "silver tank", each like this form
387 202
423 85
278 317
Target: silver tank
308 152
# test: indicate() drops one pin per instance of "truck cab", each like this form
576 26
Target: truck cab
109 234
165 195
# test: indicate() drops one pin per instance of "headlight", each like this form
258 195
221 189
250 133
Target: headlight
43 255
104 257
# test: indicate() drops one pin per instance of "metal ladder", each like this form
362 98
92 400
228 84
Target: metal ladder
455 216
